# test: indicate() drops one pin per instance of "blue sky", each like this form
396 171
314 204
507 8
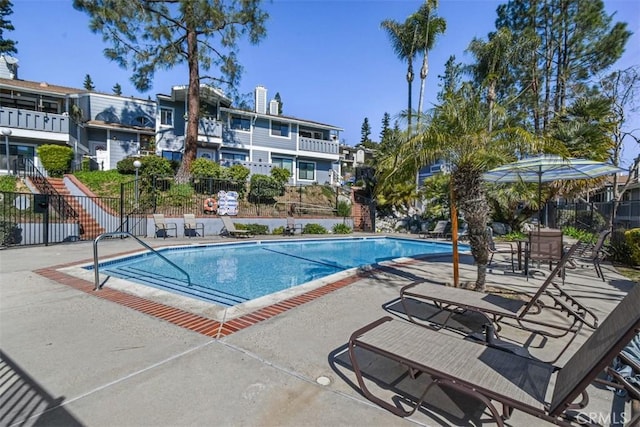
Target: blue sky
328 59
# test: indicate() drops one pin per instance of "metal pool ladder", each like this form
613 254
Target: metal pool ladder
126 234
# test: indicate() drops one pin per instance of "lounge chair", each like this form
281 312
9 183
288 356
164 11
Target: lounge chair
592 254
439 230
291 227
191 227
229 229
490 375
164 228
497 309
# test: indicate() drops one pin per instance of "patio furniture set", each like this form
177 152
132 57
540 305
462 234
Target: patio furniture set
485 367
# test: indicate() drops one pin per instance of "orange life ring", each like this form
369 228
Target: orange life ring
210 205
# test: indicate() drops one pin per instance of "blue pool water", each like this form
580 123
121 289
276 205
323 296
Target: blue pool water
231 274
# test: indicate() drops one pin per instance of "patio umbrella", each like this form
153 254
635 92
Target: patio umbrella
547 168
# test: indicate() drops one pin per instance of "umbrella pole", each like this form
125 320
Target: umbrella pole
539 197
454 239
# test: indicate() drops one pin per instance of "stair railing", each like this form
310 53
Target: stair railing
44 186
96 265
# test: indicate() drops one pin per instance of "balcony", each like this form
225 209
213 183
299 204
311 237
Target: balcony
209 130
319 145
34 120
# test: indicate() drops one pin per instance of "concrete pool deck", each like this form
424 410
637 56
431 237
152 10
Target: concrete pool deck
72 357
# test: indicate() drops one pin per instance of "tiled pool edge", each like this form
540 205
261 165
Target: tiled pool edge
193 322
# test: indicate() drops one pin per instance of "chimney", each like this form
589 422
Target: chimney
273 107
261 100
8 67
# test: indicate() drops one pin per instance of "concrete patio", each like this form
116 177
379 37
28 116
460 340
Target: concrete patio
70 358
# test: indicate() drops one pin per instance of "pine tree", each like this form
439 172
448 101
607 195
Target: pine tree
365 132
199 34
384 133
117 89
6 45
88 83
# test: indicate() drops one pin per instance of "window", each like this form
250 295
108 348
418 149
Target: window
143 121
166 117
306 170
147 142
308 133
240 123
230 159
172 155
283 163
280 129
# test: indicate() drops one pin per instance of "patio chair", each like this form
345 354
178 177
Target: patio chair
164 228
501 248
544 246
191 227
229 229
490 375
439 230
592 254
291 227
572 314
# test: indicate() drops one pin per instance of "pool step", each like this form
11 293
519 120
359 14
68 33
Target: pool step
157 280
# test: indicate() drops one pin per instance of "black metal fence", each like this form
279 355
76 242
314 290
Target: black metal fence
204 196
35 219
594 216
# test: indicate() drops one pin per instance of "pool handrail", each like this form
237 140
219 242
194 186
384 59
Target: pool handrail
126 234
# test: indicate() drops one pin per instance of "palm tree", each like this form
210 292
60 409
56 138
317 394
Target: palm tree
457 133
403 40
429 26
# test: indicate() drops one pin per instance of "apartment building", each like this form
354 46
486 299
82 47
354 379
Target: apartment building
109 127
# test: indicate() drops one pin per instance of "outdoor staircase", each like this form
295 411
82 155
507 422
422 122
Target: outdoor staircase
360 213
89 227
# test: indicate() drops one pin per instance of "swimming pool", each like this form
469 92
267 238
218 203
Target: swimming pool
231 274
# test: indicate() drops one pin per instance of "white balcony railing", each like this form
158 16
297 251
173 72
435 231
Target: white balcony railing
319 145
210 128
33 120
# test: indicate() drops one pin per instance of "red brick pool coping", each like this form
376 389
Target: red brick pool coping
193 322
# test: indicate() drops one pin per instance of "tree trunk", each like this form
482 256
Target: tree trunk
482 278
424 71
409 84
193 111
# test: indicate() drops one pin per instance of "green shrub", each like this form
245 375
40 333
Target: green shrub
150 166
180 195
343 209
8 183
514 235
264 188
341 229
278 230
10 233
632 237
156 166
314 229
581 235
237 173
56 159
255 229
281 175
204 168
618 248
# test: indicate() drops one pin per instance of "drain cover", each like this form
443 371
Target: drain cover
323 380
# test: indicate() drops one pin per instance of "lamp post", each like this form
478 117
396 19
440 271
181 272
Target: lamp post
6 132
136 164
